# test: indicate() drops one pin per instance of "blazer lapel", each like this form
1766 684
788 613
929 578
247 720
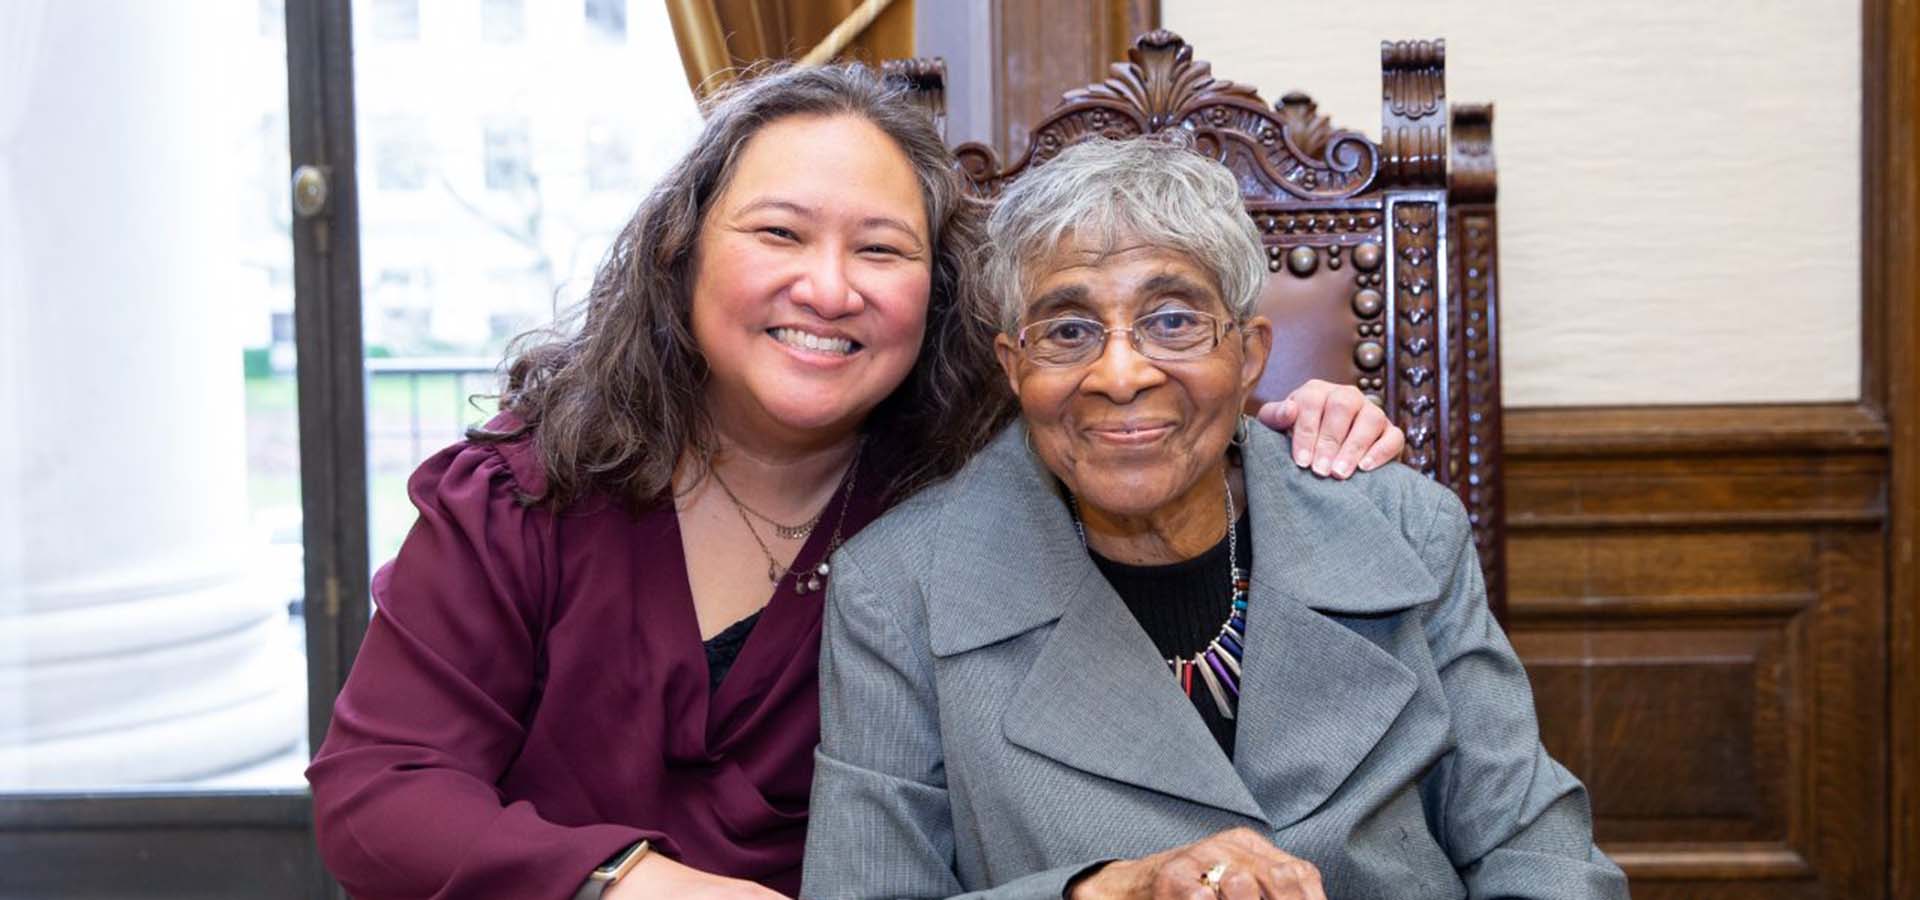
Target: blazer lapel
1099 698
1316 696
1096 697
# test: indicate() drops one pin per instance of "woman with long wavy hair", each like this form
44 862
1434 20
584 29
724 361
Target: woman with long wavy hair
593 668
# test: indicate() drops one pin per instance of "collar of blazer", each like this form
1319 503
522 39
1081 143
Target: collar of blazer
1317 695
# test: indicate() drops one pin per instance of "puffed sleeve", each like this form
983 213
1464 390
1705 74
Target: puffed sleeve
1515 822
404 796
881 825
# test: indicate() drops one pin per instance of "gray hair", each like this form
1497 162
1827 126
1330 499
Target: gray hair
1103 193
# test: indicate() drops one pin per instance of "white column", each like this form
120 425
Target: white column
135 646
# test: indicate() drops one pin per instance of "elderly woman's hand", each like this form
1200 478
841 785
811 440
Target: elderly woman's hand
1335 429
1254 869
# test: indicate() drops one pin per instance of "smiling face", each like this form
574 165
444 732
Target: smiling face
1128 435
811 282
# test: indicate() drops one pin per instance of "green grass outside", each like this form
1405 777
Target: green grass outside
388 395
273 425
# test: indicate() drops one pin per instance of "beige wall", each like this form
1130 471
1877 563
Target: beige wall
1679 179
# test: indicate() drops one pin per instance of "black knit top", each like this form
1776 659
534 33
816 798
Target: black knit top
724 648
1182 606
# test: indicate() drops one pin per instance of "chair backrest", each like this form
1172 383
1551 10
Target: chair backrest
1383 254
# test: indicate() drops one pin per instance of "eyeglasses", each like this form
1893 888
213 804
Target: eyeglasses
1169 335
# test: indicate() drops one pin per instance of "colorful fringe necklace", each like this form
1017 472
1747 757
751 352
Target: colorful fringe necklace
1218 663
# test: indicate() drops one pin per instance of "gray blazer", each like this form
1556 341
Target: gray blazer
994 720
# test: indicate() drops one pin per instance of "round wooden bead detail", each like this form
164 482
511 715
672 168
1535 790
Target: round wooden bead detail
1301 261
1367 256
1367 303
1369 355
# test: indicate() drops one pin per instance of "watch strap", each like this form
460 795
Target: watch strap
612 871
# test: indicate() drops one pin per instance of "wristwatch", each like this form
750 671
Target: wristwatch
611 871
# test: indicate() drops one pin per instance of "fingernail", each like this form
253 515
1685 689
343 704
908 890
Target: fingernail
1321 467
1301 458
1344 468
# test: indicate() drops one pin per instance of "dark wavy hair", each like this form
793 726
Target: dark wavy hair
612 394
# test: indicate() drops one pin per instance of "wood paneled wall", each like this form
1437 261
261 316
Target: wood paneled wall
1699 595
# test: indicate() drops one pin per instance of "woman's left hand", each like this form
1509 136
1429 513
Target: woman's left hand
1336 430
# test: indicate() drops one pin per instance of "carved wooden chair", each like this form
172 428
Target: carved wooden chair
1383 255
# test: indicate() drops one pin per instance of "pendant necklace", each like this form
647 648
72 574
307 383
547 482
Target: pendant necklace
1218 663
815 579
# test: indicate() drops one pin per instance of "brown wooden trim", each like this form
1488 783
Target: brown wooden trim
1748 519
1118 22
1890 380
1880 119
1647 608
1043 50
1669 430
1761 862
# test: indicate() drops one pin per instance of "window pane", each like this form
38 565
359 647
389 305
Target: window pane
508 154
400 152
502 21
395 20
609 157
150 543
607 19
508 185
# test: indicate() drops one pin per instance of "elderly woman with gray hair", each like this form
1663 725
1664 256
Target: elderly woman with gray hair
1127 653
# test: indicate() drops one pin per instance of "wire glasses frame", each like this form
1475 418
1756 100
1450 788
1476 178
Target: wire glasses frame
1170 335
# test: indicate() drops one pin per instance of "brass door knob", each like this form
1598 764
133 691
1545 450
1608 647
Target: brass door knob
309 191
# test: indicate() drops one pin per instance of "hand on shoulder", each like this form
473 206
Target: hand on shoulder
1336 429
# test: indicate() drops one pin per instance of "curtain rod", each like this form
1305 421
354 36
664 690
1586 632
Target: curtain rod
844 33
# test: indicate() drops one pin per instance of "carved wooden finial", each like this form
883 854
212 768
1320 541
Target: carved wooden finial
1471 173
1413 91
1160 79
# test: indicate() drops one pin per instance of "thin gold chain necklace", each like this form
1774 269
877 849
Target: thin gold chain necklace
783 531
776 573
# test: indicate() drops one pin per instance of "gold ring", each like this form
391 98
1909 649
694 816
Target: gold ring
1213 876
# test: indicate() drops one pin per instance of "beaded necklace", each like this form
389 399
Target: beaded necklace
1218 663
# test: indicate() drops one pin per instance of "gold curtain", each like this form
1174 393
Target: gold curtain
719 36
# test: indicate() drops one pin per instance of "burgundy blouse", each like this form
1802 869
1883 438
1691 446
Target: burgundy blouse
532 697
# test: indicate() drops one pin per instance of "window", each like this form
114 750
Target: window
607 20
503 21
395 20
400 153
609 158
508 154
273 18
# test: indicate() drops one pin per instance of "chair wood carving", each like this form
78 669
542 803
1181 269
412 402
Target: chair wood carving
1383 254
